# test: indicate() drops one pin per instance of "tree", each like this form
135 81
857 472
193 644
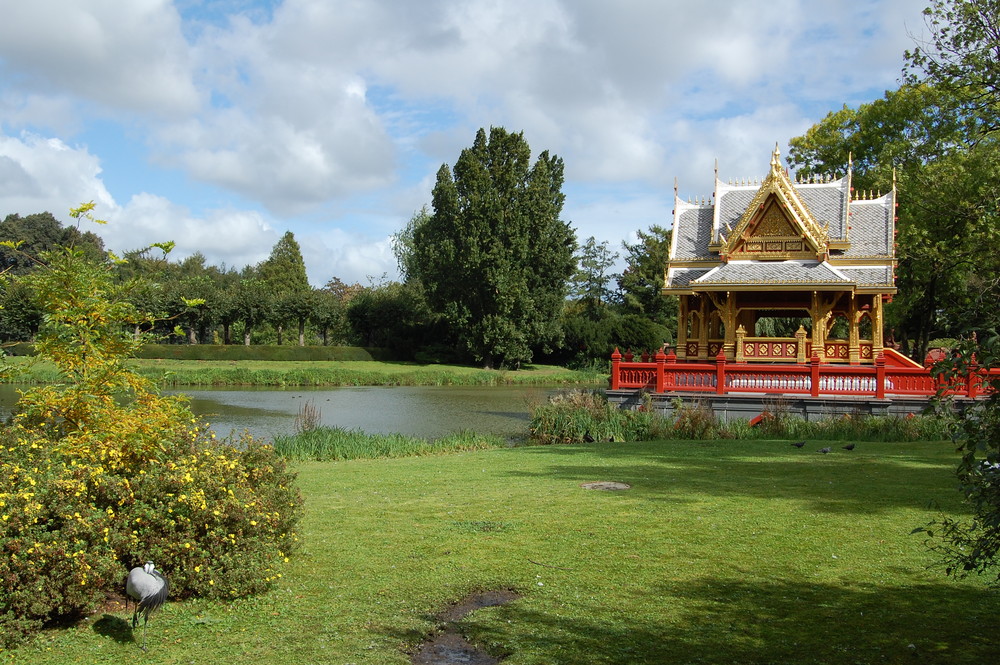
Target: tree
40 233
253 304
391 315
590 283
100 469
494 256
641 283
285 273
327 314
296 306
962 57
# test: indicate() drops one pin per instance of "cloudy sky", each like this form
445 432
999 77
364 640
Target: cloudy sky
221 124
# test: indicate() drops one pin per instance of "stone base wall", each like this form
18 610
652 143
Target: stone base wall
745 407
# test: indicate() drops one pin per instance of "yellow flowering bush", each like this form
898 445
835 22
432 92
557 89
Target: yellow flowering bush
102 472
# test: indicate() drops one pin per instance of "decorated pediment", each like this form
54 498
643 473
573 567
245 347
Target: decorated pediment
776 225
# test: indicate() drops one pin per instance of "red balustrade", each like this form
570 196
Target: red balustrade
662 373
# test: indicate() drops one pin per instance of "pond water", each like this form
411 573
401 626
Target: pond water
425 411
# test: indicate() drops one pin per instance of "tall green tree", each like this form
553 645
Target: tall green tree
494 256
591 283
641 283
285 273
40 233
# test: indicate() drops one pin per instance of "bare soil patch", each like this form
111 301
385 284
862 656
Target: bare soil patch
449 646
606 485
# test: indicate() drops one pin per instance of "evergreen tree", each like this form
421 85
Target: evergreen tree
494 256
590 283
641 283
285 274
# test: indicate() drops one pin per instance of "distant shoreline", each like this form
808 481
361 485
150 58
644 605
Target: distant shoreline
171 373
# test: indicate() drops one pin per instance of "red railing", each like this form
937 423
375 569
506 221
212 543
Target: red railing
662 373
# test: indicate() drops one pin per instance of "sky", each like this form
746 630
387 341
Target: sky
222 124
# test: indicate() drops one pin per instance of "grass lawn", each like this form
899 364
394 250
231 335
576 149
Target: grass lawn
318 373
722 552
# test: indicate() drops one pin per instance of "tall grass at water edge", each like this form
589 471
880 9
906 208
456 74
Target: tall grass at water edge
575 415
337 443
569 417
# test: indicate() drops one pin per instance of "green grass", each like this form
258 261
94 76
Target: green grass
722 552
319 373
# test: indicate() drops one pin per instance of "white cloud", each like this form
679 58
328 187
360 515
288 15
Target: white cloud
128 55
44 174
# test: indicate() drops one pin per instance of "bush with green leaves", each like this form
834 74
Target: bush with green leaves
101 472
971 544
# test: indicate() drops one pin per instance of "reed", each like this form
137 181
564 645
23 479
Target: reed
571 416
336 443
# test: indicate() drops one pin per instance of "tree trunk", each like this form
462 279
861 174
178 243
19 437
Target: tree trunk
302 332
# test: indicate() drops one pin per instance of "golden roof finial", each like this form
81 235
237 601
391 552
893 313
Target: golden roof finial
775 158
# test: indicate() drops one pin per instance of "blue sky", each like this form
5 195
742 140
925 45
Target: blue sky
222 124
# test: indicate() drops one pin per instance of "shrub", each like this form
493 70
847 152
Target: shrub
694 421
102 472
568 417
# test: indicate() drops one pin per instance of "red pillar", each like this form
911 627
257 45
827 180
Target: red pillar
671 376
880 376
616 359
661 359
972 380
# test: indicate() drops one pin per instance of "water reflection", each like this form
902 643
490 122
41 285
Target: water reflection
426 411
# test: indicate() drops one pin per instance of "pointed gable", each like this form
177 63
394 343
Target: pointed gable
776 225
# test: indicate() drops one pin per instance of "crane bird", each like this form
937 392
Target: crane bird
148 588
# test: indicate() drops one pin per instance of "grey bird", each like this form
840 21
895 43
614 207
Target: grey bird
148 588
825 450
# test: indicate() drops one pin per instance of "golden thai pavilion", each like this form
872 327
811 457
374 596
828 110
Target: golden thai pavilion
785 251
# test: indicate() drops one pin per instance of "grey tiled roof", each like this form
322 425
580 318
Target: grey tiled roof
870 276
827 203
773 272
678 277
871 228
732 203
693 231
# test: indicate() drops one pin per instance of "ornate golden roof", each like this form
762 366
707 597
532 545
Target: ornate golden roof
777 224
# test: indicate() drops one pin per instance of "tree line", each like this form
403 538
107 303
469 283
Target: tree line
193 302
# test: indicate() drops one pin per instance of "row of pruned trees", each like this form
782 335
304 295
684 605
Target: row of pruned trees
273 303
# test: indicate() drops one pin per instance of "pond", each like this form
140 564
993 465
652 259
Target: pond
425 411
